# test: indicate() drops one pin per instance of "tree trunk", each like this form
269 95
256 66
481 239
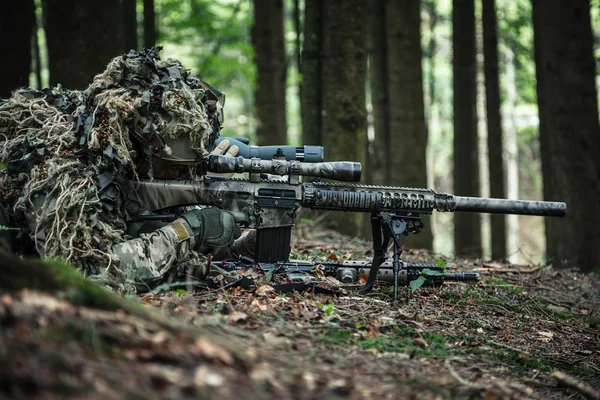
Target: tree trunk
343 73
37 61
569 129
298 52
380 161
130 37
82 38
311 73
494 124
268 39
408 133
150 32
512 157
17 23
467 229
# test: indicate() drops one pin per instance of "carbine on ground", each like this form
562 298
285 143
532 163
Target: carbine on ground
272 194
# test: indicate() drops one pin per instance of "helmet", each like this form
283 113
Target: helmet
192 146
173 116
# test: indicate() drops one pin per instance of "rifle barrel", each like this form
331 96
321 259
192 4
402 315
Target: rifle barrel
504 206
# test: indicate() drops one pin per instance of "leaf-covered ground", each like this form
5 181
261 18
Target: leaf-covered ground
501 338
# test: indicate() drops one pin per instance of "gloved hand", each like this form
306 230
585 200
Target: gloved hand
223 149
212 228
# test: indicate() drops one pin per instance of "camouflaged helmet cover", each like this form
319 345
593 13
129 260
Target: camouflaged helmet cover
149 98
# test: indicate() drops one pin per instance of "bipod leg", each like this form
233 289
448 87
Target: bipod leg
393 227
396 266
380 246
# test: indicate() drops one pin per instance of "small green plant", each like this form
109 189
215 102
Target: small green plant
269 275
440 263
417 283
327 309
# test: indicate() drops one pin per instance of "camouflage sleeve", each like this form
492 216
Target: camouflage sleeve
152 256
138 263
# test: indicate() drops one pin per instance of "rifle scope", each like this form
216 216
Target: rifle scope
309 154
345 171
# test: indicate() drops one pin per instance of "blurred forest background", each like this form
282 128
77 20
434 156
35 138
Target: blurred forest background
480 98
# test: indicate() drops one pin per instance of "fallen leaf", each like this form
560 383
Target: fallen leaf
332 257
213 351
236 316
479 330
205 376
258 304
491 395
160 337
308 381
373 331
265 290
545 336
422 343
318 271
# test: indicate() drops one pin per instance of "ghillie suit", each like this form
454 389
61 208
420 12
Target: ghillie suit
68 158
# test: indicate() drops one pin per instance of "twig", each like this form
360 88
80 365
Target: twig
456 376
506 346
517 270
570 382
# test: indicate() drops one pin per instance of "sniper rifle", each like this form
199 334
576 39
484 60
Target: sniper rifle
273 193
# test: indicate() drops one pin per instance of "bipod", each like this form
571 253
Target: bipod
384 230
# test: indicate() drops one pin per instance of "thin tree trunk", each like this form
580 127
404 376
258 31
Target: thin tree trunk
267 35
380 160
467 229
311 73
344 77
494 124
408 132
569 128
150 31
512 156
432 49
37 62
82 38
298 51
130 38
17 22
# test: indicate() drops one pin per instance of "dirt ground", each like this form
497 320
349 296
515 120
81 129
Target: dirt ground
521 332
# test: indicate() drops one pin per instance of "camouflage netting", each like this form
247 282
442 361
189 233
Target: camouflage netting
69 156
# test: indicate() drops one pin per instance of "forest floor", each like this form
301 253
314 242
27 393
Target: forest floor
521 332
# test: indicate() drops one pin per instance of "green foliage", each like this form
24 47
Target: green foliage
515 32
269 275
327 309
395 340
213 39
440 263
420 281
